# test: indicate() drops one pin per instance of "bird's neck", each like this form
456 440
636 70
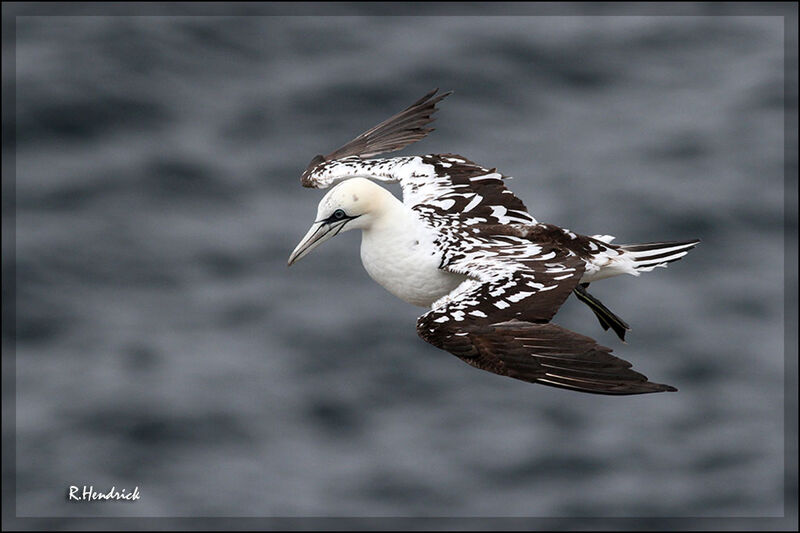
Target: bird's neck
389 214
393 225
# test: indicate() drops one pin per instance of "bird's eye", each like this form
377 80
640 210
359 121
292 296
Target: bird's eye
338 214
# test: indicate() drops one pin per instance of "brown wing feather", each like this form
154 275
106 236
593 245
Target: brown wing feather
394 133
538 353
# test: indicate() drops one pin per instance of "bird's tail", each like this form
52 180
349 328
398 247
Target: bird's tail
634 259
646 257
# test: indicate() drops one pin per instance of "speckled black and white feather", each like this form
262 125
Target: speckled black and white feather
518 271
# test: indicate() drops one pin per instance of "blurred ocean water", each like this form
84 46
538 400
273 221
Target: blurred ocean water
163 343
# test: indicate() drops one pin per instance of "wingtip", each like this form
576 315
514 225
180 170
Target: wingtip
661 387
647 387
438 97
431 98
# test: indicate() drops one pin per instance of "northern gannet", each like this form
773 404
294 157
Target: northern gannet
465 247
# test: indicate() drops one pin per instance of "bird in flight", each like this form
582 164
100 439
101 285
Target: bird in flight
465 247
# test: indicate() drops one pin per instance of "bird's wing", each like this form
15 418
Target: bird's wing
498 320
450 183
539 353
514 271
443 180
455 184
394 133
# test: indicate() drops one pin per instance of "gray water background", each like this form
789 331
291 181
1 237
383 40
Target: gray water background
161 342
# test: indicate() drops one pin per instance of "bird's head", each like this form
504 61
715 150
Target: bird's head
353 204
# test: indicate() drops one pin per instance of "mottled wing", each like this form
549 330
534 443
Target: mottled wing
449 182
497 320
456 185
510 277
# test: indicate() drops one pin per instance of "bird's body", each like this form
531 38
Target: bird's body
465 247
400 253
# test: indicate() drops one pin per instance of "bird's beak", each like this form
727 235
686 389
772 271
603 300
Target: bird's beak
319 233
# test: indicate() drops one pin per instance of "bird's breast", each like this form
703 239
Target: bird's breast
405 261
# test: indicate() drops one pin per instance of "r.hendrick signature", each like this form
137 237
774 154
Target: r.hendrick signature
88 494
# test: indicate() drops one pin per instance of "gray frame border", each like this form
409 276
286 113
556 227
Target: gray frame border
789 10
